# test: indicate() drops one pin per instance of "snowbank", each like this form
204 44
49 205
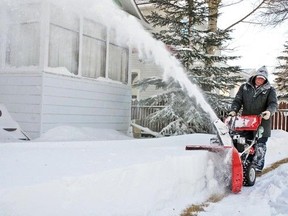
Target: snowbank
124 177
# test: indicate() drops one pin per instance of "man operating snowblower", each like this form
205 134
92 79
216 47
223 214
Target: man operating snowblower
257 97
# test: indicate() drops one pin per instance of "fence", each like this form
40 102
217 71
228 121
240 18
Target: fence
280 118
140 113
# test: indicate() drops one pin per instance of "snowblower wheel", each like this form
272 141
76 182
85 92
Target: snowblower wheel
249 173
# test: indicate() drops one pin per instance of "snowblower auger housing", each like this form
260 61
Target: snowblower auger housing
223 143
233 134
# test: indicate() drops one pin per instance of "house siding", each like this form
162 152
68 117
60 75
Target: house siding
83 102
41 101
21 94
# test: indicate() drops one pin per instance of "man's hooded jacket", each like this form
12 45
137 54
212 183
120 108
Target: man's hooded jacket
256 100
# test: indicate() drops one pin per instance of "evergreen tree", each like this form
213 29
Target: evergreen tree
182 25
281 73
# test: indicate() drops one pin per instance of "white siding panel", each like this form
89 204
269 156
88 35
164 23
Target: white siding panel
20 99
80 102
27 108
25 79
21 94
21 89
86 94
83 84
72 118
90 111
83 102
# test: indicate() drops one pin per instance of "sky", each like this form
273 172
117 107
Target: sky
256 44
72 171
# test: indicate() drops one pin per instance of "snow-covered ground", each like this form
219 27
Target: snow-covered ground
113 174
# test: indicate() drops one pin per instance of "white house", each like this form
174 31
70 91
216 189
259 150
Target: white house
60 67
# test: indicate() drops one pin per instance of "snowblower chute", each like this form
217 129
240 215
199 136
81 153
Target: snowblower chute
237 136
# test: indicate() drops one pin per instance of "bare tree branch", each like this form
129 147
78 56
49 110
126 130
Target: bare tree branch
276 12
241 20
233 3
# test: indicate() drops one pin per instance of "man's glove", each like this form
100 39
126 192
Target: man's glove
266 114
232 113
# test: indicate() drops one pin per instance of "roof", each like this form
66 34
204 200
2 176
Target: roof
130 7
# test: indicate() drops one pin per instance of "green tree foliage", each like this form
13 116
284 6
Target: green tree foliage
183 28
281 73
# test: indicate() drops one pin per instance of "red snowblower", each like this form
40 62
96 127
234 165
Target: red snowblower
237 136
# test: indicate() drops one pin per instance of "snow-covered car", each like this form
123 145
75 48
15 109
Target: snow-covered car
9 129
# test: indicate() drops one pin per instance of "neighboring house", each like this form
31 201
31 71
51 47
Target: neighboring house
58 67
140 69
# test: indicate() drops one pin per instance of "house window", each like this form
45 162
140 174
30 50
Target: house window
93 49
64 40
23 36
118 59
118 63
